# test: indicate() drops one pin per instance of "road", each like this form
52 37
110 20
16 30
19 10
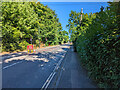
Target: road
32 71
71 74
53 67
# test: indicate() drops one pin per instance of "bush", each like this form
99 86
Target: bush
99 48
37 43
23 45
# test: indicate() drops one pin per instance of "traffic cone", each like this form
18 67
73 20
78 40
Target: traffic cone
34 51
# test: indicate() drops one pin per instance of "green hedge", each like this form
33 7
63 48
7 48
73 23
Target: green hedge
99 48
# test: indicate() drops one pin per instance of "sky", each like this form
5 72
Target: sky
63 9
75 0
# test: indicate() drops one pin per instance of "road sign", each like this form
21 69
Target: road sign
29 47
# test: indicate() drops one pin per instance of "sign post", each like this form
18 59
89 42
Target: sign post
31 40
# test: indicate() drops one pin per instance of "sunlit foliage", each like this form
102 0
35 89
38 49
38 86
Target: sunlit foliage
98 44
24 20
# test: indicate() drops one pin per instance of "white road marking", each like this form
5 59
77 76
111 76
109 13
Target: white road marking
47 80
15 63
46 84
12 65
50 79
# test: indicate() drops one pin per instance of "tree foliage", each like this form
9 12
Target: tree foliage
98 44
24 20
63 36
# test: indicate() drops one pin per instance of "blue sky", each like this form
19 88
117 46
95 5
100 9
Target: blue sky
63 9
75 0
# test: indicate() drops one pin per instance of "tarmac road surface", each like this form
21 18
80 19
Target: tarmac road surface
53 67
32 71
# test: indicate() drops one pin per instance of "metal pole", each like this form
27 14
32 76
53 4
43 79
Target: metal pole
81 15
31 39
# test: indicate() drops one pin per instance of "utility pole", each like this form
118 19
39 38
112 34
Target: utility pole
81 15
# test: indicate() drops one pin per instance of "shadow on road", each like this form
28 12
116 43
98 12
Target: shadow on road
41 57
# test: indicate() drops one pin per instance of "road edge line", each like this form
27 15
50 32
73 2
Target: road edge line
57 82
